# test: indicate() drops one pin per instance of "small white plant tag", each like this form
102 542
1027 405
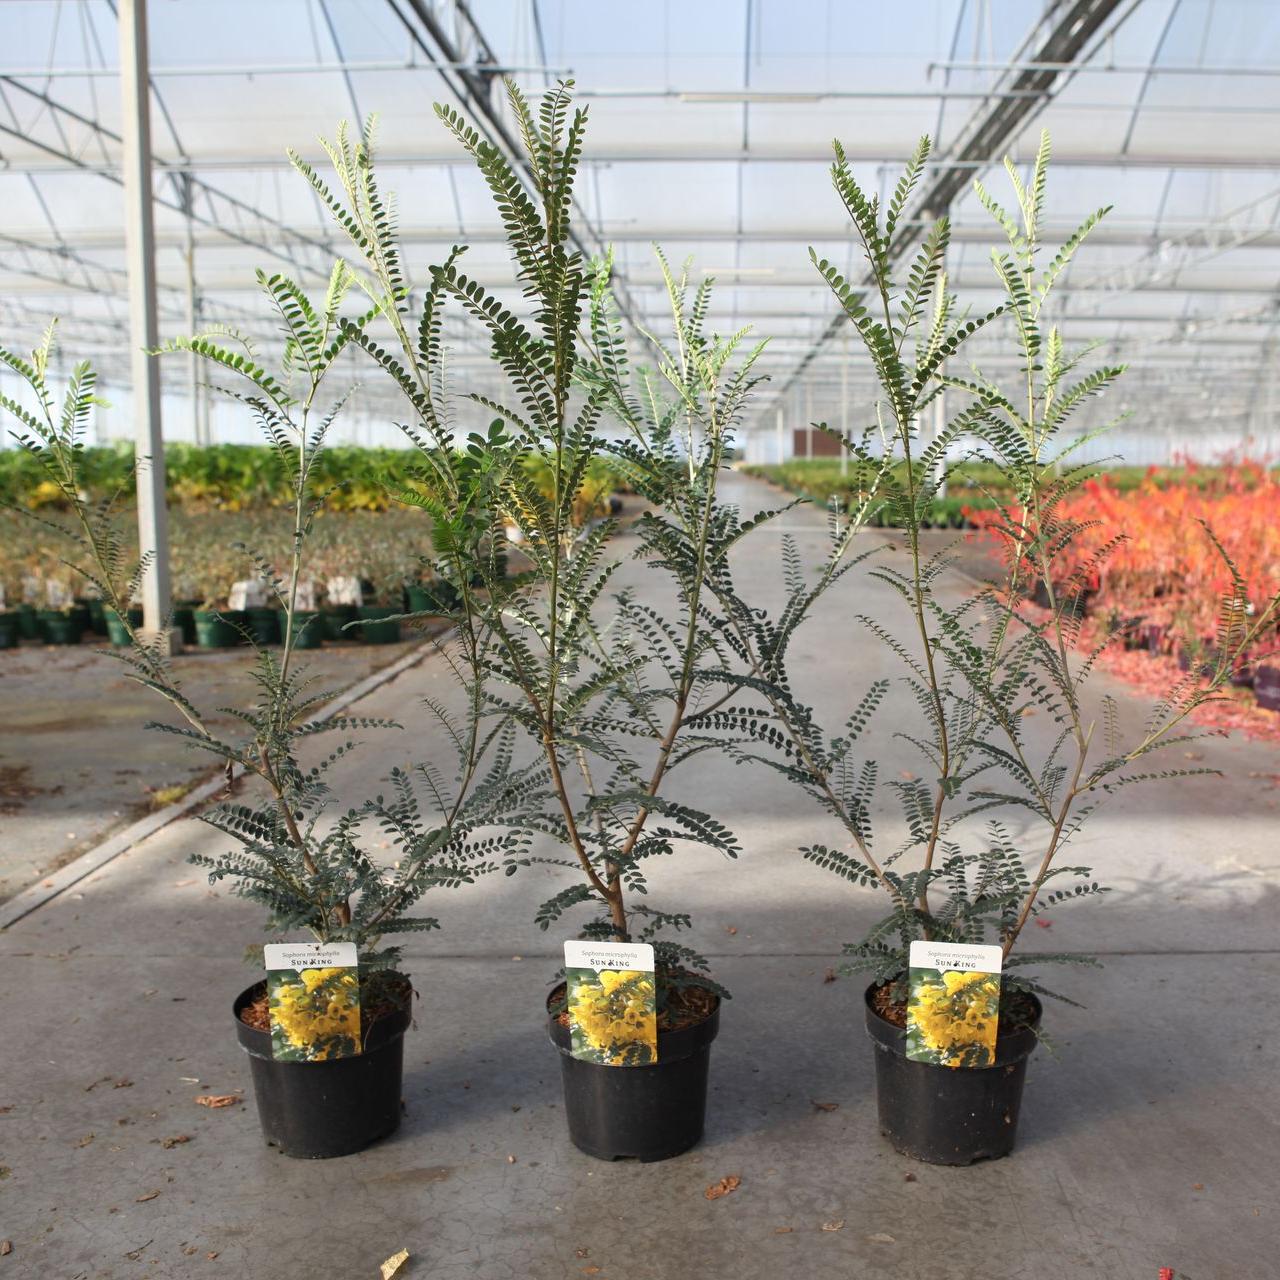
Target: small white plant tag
248 594
305 599
58 594
612 1002
344 591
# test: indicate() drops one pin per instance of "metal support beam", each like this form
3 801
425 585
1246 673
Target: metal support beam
1071 24
474 89
153 522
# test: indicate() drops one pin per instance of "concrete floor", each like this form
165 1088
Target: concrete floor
74 763
1149 1140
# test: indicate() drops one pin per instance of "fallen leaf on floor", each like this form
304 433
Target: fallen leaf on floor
830 976
6 1246
1028 711
511 1159
824 1106
123 1084
731 928
151 1195
837 1225
135 1255
4 1111
592 1270
582 1253
84 1142
216 1100
1197 1186
1044 924
211 1255
910 1177
908 775
176 1141
783 1231
881 1237
394 1263
89 1088
723 1188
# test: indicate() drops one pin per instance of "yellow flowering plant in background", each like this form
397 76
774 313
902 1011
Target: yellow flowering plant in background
613 1016
315 1014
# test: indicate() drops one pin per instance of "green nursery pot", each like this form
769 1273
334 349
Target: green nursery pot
308 627
116 631
184 618
377 626
28 623
9 629
262 625
434 598
218 629
97 614
57 627
336 616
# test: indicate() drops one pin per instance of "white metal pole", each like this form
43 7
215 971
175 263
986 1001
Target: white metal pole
193 360
144 333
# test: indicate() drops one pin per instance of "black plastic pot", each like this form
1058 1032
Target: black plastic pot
638 1113
9 632
318 1110
948 1115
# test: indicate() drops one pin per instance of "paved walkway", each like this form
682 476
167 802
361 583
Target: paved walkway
1149 1140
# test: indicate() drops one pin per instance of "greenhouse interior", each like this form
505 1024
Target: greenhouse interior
639 640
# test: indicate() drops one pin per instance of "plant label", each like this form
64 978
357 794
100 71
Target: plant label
953 1004
248 594
612 1002
313 996
305 598
344 591
57 594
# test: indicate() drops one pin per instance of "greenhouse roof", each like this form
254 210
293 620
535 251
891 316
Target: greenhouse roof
710 133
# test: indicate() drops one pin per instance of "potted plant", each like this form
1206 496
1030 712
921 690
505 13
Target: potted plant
378 617
60 625
217 625
324 882
973 670
609 712
119 632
